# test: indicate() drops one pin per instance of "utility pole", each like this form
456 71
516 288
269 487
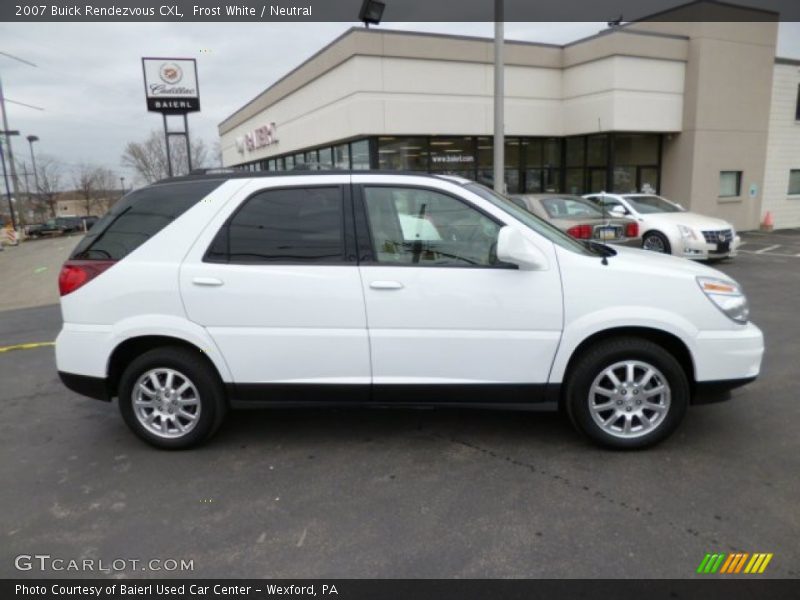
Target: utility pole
10 151
499 99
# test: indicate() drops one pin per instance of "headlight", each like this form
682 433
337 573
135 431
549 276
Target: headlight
687 232
726 296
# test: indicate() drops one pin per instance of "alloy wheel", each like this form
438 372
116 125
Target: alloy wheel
166 402
629 399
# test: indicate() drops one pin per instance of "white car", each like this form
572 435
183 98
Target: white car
210 292
668 228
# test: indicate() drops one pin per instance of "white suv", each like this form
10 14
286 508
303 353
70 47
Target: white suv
211 292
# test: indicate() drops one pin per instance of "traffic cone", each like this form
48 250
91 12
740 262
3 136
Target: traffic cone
769 223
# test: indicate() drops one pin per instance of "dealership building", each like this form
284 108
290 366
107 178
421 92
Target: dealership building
703 113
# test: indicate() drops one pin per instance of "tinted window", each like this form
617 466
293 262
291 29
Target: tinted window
284 226
139 216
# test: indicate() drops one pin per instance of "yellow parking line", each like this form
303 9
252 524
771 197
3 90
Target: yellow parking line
28 346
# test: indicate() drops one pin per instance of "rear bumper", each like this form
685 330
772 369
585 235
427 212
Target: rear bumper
93 387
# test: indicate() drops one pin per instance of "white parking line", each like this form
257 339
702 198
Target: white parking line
779 254
767 249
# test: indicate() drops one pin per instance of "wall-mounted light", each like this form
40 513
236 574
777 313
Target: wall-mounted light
371 12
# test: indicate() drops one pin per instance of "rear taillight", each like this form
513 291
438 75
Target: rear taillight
76 273
582 232
632 230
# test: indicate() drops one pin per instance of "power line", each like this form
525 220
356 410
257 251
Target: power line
24 104
22 60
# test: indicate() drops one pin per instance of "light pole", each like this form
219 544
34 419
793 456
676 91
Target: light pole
31 139
7 135
499 98
122 184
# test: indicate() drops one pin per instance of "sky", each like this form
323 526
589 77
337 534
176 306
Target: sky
88 76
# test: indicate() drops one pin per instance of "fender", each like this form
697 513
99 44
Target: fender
170 326
589 324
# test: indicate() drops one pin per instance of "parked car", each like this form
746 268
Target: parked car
61 226
669 228
580 218
204 293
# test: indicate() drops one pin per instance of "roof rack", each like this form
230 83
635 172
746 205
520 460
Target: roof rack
234 173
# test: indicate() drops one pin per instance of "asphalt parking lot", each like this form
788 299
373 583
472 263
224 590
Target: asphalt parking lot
362 493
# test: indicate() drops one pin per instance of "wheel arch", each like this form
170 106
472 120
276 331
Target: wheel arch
130 348
669 341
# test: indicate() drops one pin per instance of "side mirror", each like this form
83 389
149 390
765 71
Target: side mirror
618 211
515 248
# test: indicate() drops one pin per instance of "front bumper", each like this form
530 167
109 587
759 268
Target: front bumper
728 356
702 250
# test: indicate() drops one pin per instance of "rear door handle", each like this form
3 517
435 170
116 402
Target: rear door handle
386 285
207 281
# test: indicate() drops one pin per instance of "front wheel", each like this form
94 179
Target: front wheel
627 393
171 397
656 242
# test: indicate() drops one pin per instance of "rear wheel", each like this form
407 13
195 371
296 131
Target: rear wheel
627 393
171 397
656 241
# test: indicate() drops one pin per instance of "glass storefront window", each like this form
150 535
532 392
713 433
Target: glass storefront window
311 157
455 155
597 151
359 151
575 155
403 153
648 180
597 181
624 180
341 157
573 183
289 160
636 149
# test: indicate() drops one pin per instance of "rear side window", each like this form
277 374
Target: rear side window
139 216
286 226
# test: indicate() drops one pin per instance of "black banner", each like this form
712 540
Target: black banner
395 10
404 589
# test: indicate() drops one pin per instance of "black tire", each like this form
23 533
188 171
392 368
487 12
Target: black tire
605 354
191 365
658 238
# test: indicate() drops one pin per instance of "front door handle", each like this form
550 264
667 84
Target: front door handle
207 281
386 285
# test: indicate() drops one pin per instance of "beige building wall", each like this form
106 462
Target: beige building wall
783 146
373 95
726 117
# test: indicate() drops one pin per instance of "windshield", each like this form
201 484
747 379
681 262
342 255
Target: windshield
540 226
570 208
652 204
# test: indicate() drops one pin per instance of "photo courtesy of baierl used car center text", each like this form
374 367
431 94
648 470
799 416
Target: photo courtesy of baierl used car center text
403 300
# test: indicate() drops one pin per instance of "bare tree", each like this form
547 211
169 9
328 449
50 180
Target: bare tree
49 173
95 186
83 179
106 185
148 159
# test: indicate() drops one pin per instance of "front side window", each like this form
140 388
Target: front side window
286 226
411 226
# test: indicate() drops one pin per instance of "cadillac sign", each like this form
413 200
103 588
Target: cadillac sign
170 85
